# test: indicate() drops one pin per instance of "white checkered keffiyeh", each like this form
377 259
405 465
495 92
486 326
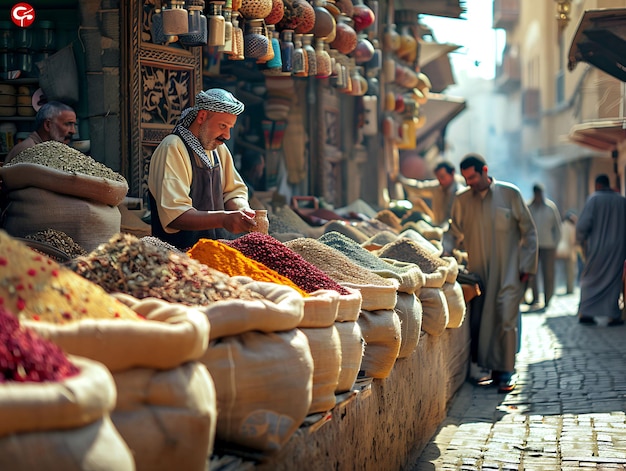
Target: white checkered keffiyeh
216 100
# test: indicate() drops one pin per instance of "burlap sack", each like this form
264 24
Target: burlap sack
167 417
94 447
376 297
88 223
352 347
435 314
382 333
171 335
264 386
96 189
436 279
325 346
320 309
282 309
349 305
413 278
409 311
455 300
453 269
62 425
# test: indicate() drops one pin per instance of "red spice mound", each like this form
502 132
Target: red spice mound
26 357
274 254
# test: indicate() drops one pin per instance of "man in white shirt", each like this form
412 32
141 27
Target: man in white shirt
194 187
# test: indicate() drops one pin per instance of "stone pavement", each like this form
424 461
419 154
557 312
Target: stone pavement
567 412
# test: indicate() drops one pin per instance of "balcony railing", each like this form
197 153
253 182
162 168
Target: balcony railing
505 13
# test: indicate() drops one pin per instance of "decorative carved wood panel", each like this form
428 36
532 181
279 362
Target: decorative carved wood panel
161 82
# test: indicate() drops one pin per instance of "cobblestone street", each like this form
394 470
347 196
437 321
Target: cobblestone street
567 412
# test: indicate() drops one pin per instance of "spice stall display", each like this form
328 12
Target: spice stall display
376 292
55 408
409 276
148 345
81 195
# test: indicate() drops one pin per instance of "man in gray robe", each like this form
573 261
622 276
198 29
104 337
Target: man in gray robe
496 229
601 232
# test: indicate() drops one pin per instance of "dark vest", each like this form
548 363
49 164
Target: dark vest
206 195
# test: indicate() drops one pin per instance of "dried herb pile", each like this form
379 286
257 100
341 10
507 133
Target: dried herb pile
126 264
24 356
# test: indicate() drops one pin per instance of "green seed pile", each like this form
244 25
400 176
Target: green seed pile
334 263
346 229
60 156
359 255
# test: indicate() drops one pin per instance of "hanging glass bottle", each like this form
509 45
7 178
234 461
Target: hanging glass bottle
322 59
307 45
227 48
217 25
156 28
269 55
286 50
300 63
275 62
255 42
175 18
237 38
197 34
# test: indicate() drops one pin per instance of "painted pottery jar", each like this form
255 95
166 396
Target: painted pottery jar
299 16
277 12
325 23
345 38
255 9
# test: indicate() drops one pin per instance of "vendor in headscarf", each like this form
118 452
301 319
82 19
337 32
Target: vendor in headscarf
195 190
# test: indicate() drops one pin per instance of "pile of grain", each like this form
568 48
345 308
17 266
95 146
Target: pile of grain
59 240
408 250
359 255
334 263
60 156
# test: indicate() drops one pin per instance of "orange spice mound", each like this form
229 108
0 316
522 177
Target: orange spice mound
33 286
232 262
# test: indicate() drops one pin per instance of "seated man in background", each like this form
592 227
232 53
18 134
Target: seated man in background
55 121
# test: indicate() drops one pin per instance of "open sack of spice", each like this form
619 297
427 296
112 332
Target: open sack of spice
81 195
54 407
148 344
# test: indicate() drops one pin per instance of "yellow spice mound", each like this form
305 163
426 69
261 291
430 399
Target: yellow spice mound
222 257
33 286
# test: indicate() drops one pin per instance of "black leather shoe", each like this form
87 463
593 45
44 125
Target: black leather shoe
615 323
587 321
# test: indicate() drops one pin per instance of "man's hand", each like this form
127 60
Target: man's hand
237 222
524 277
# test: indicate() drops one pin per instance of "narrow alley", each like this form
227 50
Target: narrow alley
567 412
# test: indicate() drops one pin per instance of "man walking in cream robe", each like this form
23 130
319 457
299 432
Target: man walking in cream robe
491 221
